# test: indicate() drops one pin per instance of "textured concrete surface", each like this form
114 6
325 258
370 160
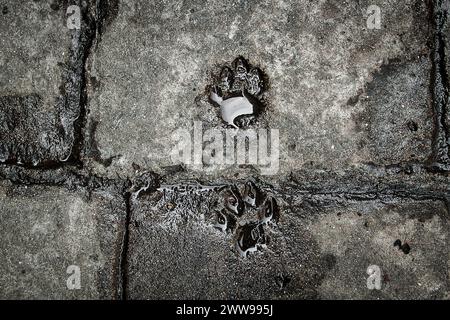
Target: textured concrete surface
395 118
40 83
155 61
320 247
45 230
86 136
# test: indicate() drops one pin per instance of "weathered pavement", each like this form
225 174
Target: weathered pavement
87 179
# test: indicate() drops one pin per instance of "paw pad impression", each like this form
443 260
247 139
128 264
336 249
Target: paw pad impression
249 215
238 92
242 211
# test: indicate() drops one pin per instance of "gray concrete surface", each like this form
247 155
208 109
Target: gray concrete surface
40 83
45 230
86 135
155 61
320 247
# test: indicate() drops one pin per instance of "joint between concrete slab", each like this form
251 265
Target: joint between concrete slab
123 263
89 33
440 86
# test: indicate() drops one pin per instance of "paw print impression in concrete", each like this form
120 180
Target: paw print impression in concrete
241 212
249 214
239 93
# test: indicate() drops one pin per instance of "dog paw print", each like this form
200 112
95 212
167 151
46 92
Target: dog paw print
249 214
238 93
242 211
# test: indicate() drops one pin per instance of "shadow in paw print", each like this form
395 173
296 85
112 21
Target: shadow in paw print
225 221
252 195
233 201
238 92
250 237
270 211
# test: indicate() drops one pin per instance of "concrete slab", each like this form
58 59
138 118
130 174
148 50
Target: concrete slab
40 82
354 208
333 82
45 230
186 243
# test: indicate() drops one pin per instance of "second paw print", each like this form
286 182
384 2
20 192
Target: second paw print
249 214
